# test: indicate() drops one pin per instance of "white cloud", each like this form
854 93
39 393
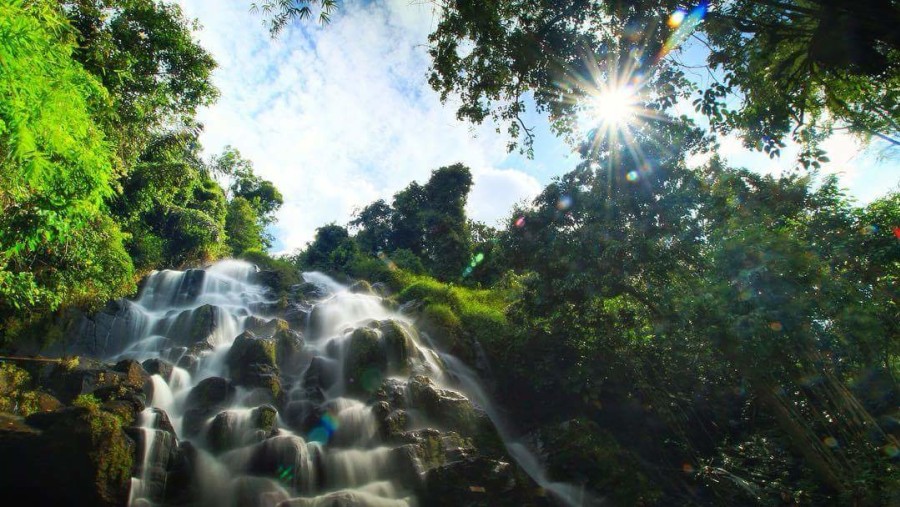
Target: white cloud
341 115
497 190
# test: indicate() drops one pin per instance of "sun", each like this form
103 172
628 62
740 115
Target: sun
615 106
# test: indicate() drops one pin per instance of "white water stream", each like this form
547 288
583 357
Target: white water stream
343 450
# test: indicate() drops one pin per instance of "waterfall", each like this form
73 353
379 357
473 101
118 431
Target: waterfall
352 407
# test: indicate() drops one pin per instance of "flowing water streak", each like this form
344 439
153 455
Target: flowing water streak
354 463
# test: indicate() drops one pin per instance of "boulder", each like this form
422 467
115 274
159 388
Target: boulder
345 498
194 326
365 362
289 355
159 367
74 456
206 399
322 373
248 350
362 287
448 409
478 482
231 429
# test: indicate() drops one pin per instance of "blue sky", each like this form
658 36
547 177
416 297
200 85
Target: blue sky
342 115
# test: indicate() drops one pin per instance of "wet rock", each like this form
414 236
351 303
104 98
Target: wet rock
446 408
307 290
235 428
322 373
181 484
345 498
248 350
88 376
381 289
197 325
296 315
265 328
206 399
391 423
362 287
303 415
384 348
365 362
74 456
275 455
476 482
257 492
159 367
289 355
102 334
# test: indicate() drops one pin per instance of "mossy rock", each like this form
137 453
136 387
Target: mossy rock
362 287
195 326
82 450
365 363
205 399
159 367
479 482
447 409
265 328
289 354
247 349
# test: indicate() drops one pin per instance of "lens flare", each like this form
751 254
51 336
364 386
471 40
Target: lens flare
632 176
564 203
520 222
677 18
615 106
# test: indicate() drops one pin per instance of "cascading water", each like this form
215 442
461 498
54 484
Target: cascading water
247 411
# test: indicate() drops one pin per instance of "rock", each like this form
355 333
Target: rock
265 328
271 457
257 492
296 315
289 355
103 334
381 289
195 326
89 376
303 415
246 351
478 482
448 409
235 428
307 290
365 362
362 287
372 353
322 373
391 423
205 399
75 456
159 367
182 487
345 498
135 375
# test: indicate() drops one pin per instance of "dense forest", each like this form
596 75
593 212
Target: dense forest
666 333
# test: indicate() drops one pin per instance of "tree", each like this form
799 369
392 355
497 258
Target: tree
262 195
374 227
55 170
836 62
144 53
332 250
242 227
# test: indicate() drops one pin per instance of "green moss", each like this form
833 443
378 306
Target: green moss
110 451
15 395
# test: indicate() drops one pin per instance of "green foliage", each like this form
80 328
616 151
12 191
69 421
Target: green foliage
254 202
15 397
56 171
241 227
144 53
837 65
332 250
